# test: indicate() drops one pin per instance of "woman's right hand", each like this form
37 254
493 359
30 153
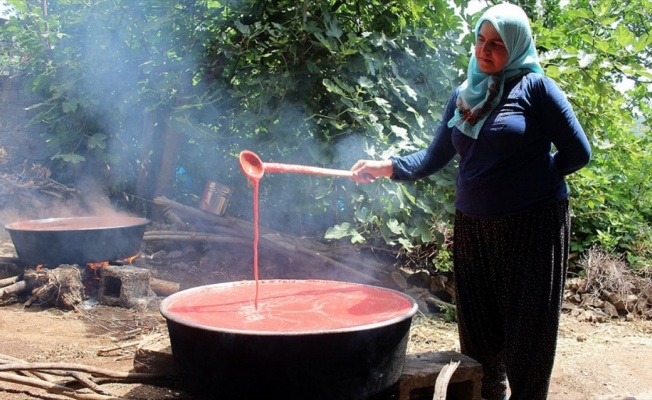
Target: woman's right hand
365 171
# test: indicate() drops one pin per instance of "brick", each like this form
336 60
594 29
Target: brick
125 286
420 373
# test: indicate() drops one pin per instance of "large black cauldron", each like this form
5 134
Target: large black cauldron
216 360
77 240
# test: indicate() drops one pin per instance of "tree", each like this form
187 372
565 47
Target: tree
592 49
155 97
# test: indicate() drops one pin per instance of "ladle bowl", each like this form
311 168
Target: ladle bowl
251 165
254 168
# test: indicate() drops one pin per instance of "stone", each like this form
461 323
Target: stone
125 286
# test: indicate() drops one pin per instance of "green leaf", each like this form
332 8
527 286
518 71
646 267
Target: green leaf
69 106
422 231
242 28
332 87
365 82
400 132
333 28
384 104
586 59
69 157
394 226
339 231
97 141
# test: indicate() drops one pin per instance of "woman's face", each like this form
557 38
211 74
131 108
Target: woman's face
490 51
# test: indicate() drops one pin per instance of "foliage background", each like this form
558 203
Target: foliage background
150 97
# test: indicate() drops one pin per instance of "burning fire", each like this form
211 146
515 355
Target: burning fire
98 265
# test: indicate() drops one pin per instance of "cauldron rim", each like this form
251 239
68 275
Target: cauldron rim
45 224
357 328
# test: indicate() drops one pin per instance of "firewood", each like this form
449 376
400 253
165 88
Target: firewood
13 289
53 388
274 242
430 299
193 236
86 382
61 287
196 213
5 359
284 244
96 371
9 281
164 288
336 263
445 375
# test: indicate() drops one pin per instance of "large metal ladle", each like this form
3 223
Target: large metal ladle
254 168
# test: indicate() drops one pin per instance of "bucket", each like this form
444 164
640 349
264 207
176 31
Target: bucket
215 198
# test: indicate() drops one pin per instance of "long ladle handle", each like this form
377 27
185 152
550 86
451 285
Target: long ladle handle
304 169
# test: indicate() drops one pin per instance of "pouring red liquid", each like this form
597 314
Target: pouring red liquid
254 168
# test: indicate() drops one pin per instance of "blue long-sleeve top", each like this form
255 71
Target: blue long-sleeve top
511 167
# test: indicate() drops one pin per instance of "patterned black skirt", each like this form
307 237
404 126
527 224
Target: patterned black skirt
509 277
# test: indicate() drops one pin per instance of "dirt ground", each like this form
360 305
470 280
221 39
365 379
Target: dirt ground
594 361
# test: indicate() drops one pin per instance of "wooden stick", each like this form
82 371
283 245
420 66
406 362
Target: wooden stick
439 303
9 281
335 263
5 359
174 218
122 346
193 236
445 375
269 239
53 388
82 368
12 289
271 242
164 288
90 384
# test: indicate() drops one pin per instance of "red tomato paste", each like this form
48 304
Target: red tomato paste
288 306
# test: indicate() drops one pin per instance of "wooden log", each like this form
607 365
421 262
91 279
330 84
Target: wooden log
193 236
337 264
195 212
13 289
270 242
9 281
430 299
288 246
163 288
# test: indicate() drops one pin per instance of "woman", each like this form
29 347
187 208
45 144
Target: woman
512 221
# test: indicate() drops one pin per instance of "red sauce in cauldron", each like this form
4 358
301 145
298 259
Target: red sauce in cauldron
288 306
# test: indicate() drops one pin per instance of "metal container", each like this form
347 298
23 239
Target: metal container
327 360
77 240
215 198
